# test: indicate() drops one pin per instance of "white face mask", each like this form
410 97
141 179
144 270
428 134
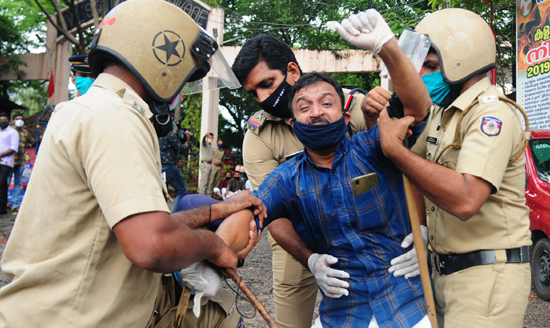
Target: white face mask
19 123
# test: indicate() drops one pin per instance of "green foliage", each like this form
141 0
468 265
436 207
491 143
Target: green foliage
301 24
19 20
240 107
191 116
31 95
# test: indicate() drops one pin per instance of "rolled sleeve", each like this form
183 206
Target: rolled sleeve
273 193
14 141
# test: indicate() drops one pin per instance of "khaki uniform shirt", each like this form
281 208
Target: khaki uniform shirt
99 163
205 152
217 155
491 135
267 144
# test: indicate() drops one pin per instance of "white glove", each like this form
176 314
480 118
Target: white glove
367 30
407 264
319 265
203 279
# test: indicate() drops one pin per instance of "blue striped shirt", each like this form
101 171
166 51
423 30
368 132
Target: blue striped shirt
363 232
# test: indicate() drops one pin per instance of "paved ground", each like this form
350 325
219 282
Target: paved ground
258 276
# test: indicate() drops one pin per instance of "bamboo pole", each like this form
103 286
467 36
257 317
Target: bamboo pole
421 255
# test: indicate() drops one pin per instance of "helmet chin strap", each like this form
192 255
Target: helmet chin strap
162 121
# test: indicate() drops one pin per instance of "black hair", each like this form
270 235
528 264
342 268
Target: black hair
311 79
263 48
5 114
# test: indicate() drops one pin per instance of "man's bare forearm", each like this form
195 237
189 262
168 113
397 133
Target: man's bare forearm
201 216
406 81
459 194
234 230
157 242
196 217
284 234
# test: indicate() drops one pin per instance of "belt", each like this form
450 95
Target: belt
207 162
218 165
449 263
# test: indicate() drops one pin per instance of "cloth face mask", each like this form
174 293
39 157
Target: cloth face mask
320 136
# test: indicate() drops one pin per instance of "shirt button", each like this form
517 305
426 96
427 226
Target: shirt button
339 203
432 237
347 229
433 208
333 172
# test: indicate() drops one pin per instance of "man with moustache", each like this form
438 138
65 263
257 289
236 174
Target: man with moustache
267 68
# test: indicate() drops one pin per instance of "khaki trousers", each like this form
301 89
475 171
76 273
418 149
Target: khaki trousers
488 296
294 289
204 169
215 176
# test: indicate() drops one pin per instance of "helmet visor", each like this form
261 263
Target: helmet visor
415 46
220 76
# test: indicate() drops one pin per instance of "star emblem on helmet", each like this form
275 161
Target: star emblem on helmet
168 48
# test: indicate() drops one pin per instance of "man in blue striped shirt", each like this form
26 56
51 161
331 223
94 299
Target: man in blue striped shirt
357 235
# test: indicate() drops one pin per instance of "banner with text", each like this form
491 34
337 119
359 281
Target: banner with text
533 61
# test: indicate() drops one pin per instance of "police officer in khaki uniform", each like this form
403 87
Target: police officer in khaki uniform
268 143
473 177
205 166
95 230
217 164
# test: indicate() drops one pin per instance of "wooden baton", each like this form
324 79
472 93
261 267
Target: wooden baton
253 299
421 255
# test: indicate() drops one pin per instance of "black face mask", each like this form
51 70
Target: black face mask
4 125
162 121
227 178
237 178
277 103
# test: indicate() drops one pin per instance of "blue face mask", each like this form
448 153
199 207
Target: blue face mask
438 88
322 136
83 84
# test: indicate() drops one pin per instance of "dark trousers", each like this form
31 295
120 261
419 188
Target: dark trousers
175 179
4 173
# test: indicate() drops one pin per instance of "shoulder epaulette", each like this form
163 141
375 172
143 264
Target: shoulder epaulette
255 122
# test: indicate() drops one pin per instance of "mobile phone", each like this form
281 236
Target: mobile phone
364 183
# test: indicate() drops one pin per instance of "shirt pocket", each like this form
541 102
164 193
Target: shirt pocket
369 209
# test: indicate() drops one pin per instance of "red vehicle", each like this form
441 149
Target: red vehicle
537 193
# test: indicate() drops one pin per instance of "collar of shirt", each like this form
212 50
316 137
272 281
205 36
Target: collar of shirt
468 96
340 151
121 88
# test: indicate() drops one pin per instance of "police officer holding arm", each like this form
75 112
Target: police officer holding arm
469 164
95 231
